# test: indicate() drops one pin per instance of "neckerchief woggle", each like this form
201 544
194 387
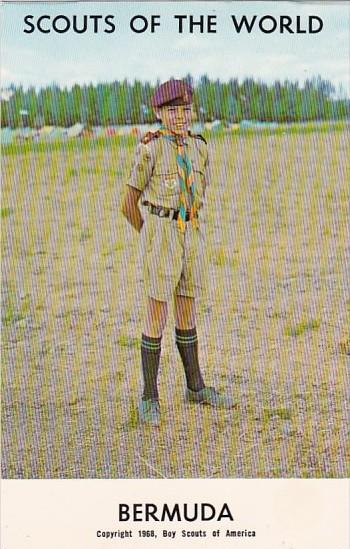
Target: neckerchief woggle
186 181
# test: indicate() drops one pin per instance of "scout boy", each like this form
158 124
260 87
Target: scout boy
169 177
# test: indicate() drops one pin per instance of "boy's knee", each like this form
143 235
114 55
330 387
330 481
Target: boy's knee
158 307
156 317
185 315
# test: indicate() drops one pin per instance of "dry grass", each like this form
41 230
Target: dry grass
273 321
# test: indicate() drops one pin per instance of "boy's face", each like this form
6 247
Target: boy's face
176 118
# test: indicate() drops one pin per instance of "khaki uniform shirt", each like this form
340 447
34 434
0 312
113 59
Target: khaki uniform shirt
154 171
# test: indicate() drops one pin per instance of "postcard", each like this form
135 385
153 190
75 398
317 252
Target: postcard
175 274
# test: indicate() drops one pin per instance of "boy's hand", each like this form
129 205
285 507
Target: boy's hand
130 208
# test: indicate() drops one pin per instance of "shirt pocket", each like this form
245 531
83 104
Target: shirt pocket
166 177
198 176
198 165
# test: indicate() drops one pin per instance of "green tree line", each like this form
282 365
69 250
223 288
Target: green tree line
124 102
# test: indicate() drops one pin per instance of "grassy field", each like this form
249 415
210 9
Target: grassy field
273 322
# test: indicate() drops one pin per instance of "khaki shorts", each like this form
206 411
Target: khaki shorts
174 262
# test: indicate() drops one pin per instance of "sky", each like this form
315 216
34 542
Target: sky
40 59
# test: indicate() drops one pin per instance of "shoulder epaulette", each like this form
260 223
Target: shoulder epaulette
149 136
198 136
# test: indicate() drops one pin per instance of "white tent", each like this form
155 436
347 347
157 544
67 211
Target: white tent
6 136
76 130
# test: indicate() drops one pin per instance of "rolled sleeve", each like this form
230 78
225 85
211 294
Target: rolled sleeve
142 166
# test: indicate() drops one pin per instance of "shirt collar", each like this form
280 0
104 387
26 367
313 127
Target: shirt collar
185 138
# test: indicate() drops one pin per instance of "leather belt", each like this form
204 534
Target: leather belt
160 211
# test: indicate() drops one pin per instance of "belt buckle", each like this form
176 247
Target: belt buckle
162 212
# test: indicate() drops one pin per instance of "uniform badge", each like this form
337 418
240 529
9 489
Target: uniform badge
170 182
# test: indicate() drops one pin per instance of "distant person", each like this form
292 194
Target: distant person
169 176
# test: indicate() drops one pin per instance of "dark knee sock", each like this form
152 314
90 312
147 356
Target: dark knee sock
187 344
150 356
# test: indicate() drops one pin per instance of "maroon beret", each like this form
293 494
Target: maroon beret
172 92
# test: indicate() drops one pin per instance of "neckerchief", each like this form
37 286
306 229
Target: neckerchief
186 181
